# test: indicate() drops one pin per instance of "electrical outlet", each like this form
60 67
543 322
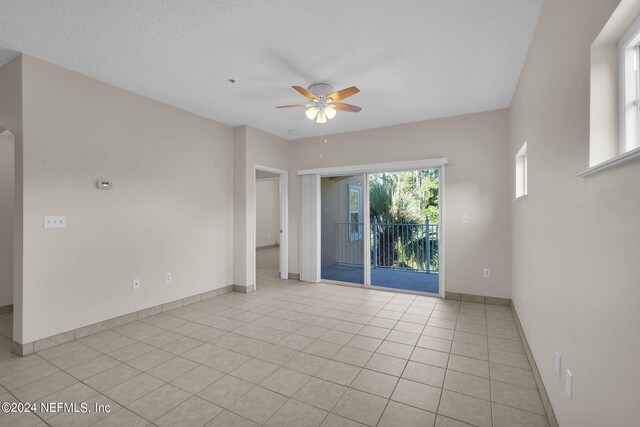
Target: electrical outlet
568 384
55 222
487 273
557 364
135 284
167 278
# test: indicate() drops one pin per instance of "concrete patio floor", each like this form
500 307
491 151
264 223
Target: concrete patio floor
387 278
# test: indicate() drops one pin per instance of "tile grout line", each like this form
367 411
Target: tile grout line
123 406
353 309
446 373
141 372
34 413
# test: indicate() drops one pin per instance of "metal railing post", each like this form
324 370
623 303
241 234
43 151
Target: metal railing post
375 242
427 244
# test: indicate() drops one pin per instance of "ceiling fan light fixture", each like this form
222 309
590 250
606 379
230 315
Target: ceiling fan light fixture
330 112
321 118
311 113
322 103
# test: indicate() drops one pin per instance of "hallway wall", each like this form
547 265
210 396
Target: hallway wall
251 147
7 211
11 107
267 213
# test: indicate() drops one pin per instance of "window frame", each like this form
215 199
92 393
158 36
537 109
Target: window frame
354 235
629 88
522 173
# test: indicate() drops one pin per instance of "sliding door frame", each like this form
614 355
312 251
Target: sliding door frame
365 170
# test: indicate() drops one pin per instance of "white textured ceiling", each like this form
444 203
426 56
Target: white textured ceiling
412 59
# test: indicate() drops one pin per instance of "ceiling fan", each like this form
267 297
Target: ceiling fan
323 101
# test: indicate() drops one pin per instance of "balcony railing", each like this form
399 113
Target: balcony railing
409 247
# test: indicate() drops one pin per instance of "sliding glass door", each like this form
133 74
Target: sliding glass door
382 229
343 229
404 225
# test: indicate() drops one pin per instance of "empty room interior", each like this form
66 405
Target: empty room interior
285 213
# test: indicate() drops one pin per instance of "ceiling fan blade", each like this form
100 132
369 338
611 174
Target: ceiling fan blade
346 107
305 92
344 93
293 105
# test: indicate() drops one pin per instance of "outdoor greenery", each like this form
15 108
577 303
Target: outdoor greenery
397 201
404 197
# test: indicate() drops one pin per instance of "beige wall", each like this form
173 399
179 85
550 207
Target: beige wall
267 212
11 119
241 176
576 283
170 209
251 147
7 208
477 184
604 133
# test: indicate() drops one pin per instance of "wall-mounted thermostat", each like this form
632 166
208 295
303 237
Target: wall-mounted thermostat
104 185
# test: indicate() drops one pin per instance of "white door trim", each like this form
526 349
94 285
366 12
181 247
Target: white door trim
377 167
441 232
366 225
283 178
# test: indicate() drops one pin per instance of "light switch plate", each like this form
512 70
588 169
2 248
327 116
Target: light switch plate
465 219
568 384
135 284
55 222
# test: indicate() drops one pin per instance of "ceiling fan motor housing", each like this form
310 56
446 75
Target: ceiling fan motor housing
321 89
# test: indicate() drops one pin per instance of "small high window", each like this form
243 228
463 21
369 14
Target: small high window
629 82
521 172
614 134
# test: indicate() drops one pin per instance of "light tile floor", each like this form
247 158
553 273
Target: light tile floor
290 354
267 267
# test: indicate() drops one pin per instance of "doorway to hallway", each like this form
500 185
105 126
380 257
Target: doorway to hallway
7 233
270 226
